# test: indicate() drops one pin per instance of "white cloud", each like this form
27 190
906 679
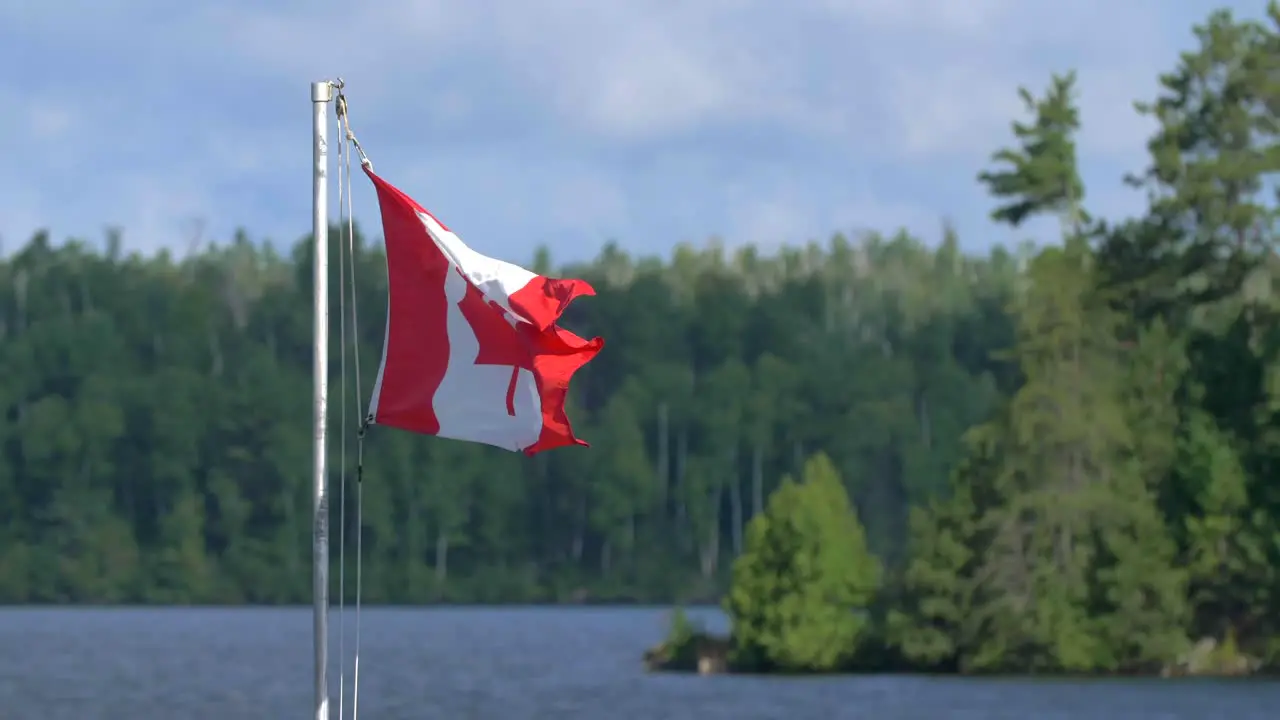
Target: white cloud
739 116
971 18
46 121
784 211
956 109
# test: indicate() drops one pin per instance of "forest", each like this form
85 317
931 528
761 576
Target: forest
1083 432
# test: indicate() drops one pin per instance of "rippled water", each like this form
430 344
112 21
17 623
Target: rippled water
498 664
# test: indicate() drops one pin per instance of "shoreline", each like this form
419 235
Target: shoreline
702 653
351 605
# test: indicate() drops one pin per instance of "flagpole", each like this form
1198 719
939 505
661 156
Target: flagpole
321 96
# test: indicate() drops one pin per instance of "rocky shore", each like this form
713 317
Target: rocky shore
1209 658
700 652
708 654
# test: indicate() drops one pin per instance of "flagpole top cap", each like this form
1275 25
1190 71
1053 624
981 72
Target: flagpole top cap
321 91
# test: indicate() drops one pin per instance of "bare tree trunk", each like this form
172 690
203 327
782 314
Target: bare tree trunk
442 556
735 501
682 508
710 554
757 480
580 528
664 457
926 427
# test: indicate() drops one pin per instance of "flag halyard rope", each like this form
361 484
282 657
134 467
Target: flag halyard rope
345 124
342 413
347 262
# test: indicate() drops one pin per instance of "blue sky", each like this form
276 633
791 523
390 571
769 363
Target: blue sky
564 122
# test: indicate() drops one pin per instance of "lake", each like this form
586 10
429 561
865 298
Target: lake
498 664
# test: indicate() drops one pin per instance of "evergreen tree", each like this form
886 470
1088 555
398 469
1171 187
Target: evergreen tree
1063 456
803 585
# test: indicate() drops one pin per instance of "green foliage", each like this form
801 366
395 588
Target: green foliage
687 646
930 619
1116 503
1226 539
1062 459
1041 175
156 443
803 585
682 629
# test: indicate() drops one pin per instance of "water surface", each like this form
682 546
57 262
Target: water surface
499 664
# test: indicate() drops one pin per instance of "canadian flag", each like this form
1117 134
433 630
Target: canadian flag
472 349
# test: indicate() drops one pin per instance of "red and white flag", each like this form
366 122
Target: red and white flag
472 349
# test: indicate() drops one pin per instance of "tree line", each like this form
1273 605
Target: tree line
1051 450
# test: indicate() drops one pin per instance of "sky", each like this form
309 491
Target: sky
567 123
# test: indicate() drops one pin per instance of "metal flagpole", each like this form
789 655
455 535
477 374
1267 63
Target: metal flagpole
321 96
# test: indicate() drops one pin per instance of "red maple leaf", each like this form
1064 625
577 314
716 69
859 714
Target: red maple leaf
500 341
